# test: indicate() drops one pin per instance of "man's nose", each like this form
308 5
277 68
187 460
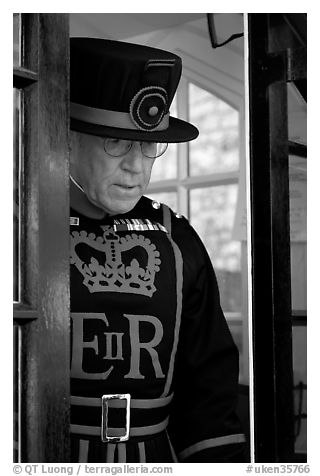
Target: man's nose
133 160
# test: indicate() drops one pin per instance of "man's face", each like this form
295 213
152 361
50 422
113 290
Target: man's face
114 184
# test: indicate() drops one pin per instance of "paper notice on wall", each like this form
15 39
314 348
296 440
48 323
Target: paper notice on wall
298 202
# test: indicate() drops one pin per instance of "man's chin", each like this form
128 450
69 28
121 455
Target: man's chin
118 207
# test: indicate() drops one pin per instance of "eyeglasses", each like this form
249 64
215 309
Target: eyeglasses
120 147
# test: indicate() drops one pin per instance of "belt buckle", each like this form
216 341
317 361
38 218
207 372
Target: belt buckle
104 423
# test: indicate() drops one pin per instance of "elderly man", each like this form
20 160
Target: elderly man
154 369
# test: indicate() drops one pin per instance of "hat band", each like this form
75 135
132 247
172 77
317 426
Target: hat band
105 117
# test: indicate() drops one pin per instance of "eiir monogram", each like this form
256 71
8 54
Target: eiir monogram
113 346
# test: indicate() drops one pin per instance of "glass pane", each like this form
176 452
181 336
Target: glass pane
16 39
217 147
298 258
165 167
212 212
169 198
298 231
16 194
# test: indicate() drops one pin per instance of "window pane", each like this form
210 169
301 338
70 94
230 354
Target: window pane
217 147
298 258
165 167
169 198
298 231
212 214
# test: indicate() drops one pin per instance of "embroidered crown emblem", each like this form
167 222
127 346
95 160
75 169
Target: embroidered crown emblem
116 270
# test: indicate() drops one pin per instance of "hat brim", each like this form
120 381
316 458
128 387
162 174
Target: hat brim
178 131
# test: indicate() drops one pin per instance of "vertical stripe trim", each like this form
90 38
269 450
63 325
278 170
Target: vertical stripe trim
122 453
166 218
111 447
179 286
83 451
142 452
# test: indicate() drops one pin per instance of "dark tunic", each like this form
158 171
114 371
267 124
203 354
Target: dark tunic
146 321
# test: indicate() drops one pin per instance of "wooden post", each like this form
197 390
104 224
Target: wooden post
271 293
44 347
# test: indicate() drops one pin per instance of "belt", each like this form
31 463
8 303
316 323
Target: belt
142 417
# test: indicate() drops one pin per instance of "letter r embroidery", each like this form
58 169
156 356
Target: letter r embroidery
137 345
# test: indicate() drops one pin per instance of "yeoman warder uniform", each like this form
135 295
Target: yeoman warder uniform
154 370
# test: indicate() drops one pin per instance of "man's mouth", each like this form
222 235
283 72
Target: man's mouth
127 189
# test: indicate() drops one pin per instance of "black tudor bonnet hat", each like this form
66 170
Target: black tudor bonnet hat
123 90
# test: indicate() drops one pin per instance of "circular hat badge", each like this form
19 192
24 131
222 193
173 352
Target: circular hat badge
148 107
